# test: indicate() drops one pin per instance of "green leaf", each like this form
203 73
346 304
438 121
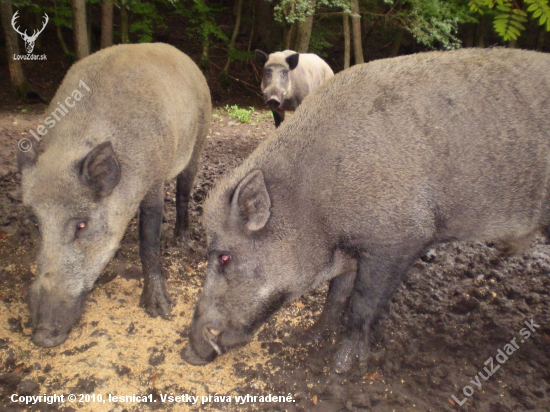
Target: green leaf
505 8
518 25
519 18
513 30
519 12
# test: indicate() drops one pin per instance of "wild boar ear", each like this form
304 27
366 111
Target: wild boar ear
26 158
261 58
100 169
251 201
292 60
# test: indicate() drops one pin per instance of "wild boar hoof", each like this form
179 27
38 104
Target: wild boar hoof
156 300
351 349
188 355
182 238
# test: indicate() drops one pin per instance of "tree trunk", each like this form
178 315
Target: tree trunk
303 32
262 20
288 33
480 32
540 38
239 8
470 34
38 23
89 26
396 45
205 58
347 48
62 41
106 23
356 28
20 85
124 24
79 28
59 32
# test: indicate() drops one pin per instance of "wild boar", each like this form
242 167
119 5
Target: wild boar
141 119
288 78
378 164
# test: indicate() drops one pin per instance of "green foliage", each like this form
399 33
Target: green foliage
200 15
242 115
321 38
510 18
292 11
59 11
433 22
240 55
540 9
145 16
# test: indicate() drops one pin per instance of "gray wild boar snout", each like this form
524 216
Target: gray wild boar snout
212 331
206 333
53 314
273 102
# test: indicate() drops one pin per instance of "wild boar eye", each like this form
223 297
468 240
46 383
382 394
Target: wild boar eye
285 72
80 226
268 72
33 221
225 259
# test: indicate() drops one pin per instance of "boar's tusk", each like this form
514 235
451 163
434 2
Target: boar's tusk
215 346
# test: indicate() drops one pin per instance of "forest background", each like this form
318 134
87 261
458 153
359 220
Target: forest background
221 35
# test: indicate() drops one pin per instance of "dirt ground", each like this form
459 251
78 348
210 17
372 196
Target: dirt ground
459 306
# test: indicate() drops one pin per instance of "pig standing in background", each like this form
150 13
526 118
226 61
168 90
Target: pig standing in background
378 164
143 121
288 78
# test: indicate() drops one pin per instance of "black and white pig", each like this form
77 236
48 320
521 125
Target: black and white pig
288 78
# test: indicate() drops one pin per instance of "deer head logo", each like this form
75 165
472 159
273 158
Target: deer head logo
29 40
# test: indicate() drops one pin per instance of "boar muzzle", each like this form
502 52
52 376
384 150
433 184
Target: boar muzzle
203 347
207 342
48 337
53 316
273 102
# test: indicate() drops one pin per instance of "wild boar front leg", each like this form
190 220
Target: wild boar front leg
378 276
341 272
278 117
154 298
335 307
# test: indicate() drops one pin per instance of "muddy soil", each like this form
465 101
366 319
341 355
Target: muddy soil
460 305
